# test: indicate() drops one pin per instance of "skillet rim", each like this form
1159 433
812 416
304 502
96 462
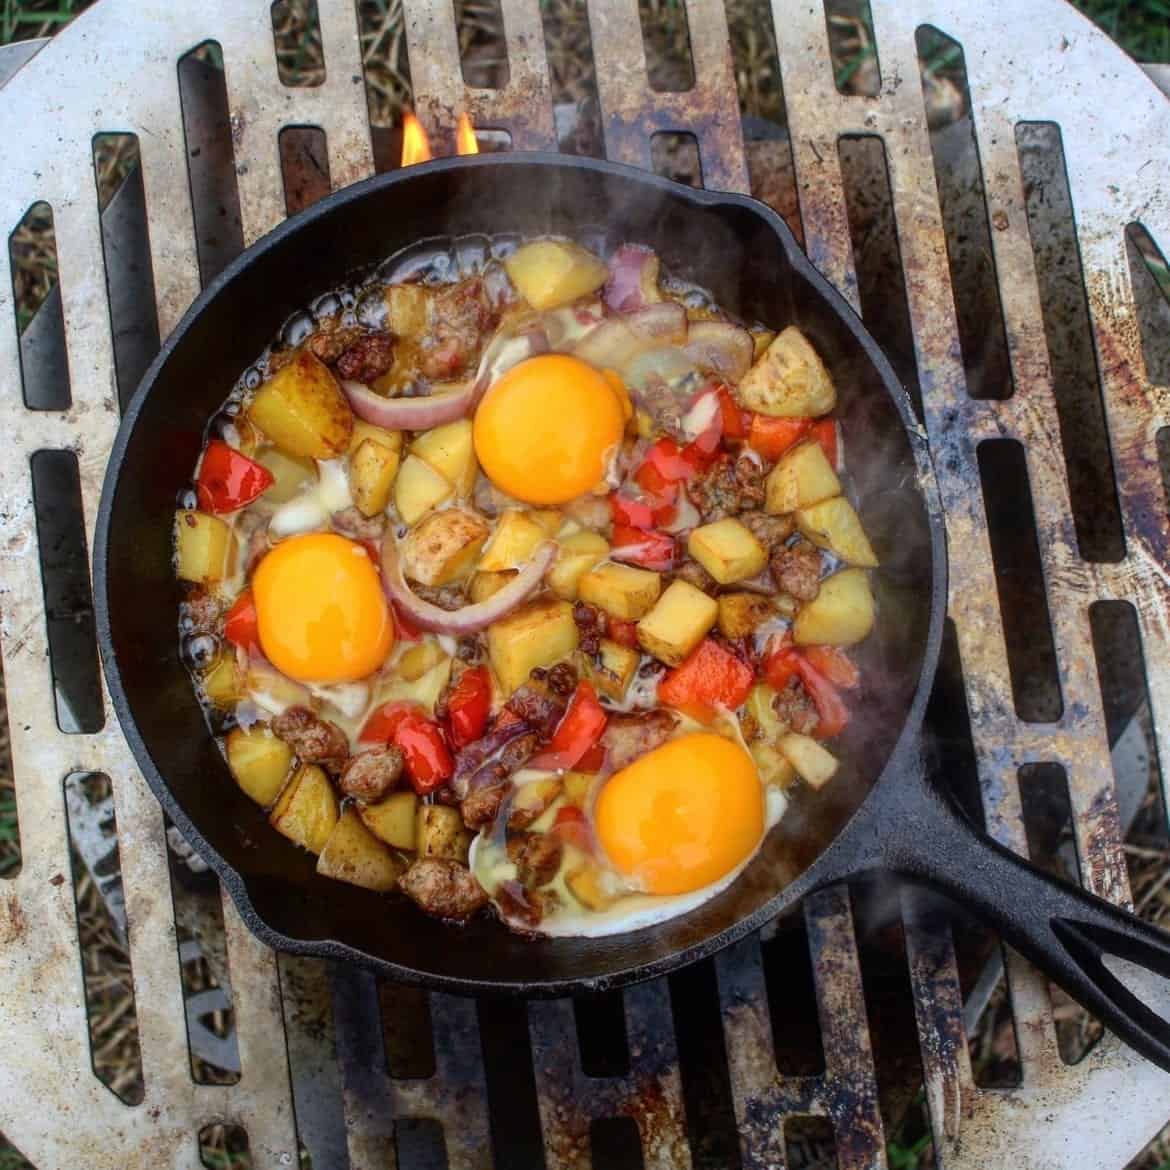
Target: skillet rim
900 761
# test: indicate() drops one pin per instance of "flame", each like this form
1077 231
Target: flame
415 147
465 142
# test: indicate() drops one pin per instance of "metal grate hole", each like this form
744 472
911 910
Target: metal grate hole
948 723
991 1034
1019 578
224 1147
702 1057
792 1000
386 69
69 616
406 1031
1048 822
211 159
809 1144
877 256
1065 309
910 1145
615 1144
852 48
959 176
419 1144
483 51
10 856
304 166
572 77
126 255
1151 286
601 1034
676 156
102 935
517 1142
667 40
296 34
11 1158
40 320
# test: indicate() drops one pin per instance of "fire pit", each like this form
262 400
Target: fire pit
1044 425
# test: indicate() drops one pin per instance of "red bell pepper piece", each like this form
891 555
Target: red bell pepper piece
831 710
649 511
710 677
579 729
648 550
468 706
773 436
834 664
228 479
572 827
825 433
736 422
427 761
623 633
778 664
666 464
241 627
593 760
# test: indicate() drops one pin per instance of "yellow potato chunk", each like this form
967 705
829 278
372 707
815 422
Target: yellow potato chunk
302 410
205 547
450 451
221 681
621 590
442 547
727 550
741 613
418 489
259 762
353 854
677 623
485 585
759 707
533 798
789 381
773 766
407 309
834 525
577 786
815 764
612 675
579 552
392 820
589 887
439 832
363 430
423 690
290 474
307 809
841 614
801 477
549 520
549 273
516 538
538 634
372 468
420 658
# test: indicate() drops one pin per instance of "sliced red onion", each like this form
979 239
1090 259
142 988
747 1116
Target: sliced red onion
471 618
633 279
507 349
721 347
664 323
410 414
610 346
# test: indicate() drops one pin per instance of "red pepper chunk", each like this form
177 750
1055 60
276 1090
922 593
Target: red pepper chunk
468 706
825 433
832 714
834 664
621 632
780 663
736 422
647 550
709 678
427 761
227 479
771 437
578 731
651 511
241 627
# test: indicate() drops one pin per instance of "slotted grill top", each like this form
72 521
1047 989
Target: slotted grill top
114 70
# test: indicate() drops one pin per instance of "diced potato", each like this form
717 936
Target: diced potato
424 690
589 887
549 520
443 546
363 430
759 707
302 410
420 658
835 525
532 798
407 309
290 474
450 451
353 854
538 634
549 273
789 381
741 613
516 538
815 764
418 489
677 623
205 547
579 552
841 614
802 477
221 681
577 786
372 468
307 809
393 820
773 766
621 590
485 585
727 550
439 832
273 691
612 675
761 339
259 762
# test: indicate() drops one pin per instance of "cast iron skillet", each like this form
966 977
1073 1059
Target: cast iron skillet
881 810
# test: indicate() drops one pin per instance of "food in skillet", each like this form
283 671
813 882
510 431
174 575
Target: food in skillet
526 578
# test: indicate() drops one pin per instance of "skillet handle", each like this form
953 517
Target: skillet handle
1064 931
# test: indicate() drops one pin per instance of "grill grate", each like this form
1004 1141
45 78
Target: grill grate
113 72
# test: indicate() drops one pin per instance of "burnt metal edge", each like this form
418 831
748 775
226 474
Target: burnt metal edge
835 863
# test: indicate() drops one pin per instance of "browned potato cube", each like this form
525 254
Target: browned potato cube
549 273
815 764
537 634
621 590
420 658
834 525
450 451
841 614
677 623
407 309
741 613
418 489
789 381
372 468
393 820
307 809
516 538
443 546
259 762
727 550
205 547
440 832
612 675
302 410
221 681
353 854
578 553
485 585
801 477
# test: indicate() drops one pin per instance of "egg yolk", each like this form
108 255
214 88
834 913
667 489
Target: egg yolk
320 609
545 428
683 815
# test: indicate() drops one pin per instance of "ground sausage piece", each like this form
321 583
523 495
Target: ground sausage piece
521 909
350 522
562 679
770 531
469 649
330 344
368 358
201 611
460 315
796 569
627 737
728 487
443 888
535 703
370 775
482 806
315 740
794 708
694 574
537 857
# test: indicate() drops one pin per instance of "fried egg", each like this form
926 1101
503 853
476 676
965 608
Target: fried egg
545 430
320 609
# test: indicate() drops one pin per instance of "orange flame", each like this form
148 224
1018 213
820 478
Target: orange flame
465 142
415 147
